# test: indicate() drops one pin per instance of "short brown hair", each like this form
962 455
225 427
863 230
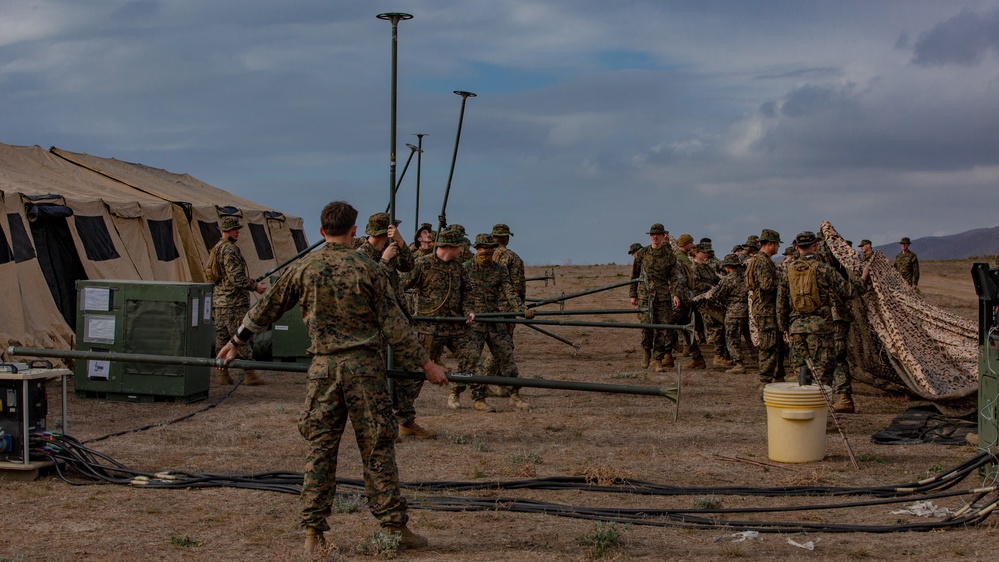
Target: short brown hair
337 218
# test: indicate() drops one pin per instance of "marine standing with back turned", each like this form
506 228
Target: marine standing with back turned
804 306
350 315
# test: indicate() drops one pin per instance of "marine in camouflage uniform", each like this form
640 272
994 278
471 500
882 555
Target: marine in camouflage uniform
907 264
714 261
812 333
750 248
350 316
231 296
731 291
686 310
705 279
466 244
762 280
515 266
422 245
491 291
386 247
442 288
657 264
866 249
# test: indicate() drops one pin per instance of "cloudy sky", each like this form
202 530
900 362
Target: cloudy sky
593 120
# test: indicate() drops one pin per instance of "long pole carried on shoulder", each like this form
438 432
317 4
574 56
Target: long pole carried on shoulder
454 156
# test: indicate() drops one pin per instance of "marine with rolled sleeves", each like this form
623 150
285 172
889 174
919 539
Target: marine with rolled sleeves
231 295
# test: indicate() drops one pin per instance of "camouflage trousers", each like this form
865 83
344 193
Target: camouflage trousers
819 347
354 387
733 336
490 366
465 348
497 339
659 342
842 378
404 395
716 331
683 316
772 349
226 320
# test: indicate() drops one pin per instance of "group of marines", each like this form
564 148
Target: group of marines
438 276
800 307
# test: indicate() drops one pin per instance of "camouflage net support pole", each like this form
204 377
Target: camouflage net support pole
630 325
564 312
671 393
575 346
583 293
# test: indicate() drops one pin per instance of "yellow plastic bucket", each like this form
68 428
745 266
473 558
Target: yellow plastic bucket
796 422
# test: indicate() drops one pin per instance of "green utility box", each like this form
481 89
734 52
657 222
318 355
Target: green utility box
986 281
289 339
147 317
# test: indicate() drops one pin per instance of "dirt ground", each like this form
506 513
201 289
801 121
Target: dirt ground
566 434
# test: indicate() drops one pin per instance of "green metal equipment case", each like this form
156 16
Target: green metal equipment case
163 318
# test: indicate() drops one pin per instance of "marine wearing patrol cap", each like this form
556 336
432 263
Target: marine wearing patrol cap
733 261
864 242
378 224
805 239
634 248
449 237
501 230
770 236
484 241
230 223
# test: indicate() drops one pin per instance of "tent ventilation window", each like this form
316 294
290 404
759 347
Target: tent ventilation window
299 237
260 241
162 235
210 233
23 251
6 256
96 240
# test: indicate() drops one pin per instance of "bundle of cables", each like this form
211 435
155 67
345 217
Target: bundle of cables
89 467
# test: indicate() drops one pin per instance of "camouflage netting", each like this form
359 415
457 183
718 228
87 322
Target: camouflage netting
900 342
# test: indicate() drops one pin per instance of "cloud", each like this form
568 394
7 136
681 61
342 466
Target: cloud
964 40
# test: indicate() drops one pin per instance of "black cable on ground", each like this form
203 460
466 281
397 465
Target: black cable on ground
71 455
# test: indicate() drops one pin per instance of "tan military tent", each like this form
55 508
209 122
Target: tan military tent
70 216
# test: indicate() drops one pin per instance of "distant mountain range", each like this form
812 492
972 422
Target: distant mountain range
977 242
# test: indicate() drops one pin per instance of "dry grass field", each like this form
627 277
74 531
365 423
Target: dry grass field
566 434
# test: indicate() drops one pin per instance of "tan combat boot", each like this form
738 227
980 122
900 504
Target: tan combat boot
498 391
646 358
314 540
407 538
698 364
251 378
519 403
668 362
844 404
482 406
224 378
416 430
722 362
453 401
739 369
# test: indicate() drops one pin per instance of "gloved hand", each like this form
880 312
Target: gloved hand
529 313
